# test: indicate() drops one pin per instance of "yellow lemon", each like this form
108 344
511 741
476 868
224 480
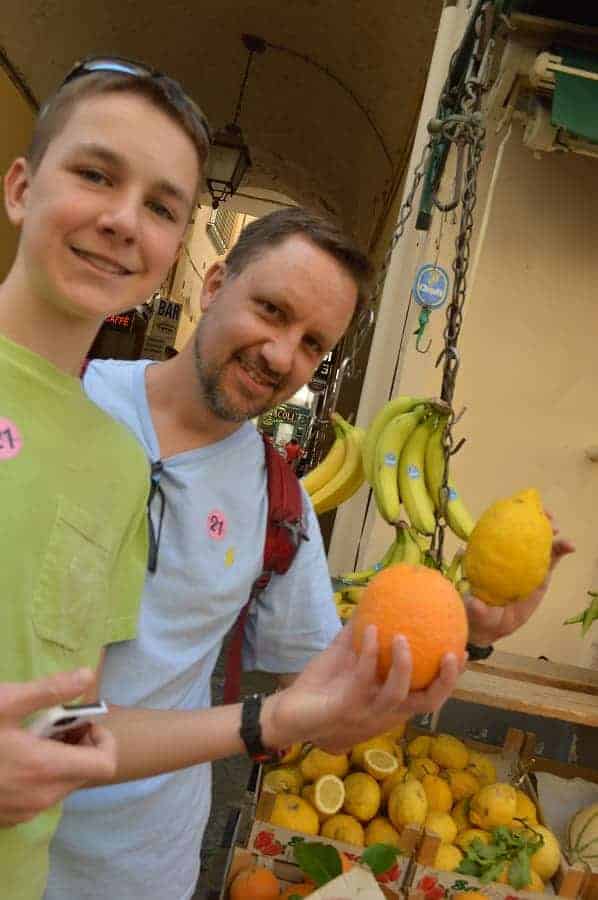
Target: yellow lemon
329 794
408 804
379 764
460 813
294 813
443 825
284 779
419 746
462 783
494 805
534 885
464 838
448 858
545 861
508 552
396 734
391 782
362 796
438 793
380 831
423 765
344 828
481 767
292 754
526 808
308 794
381 742
449 752
318 763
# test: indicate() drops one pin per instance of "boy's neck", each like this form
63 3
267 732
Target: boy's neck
29 321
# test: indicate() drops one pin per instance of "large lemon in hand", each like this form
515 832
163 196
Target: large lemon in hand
508 552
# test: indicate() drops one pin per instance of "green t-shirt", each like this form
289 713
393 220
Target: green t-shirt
73 550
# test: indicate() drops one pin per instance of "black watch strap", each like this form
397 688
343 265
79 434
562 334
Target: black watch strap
251 730
477 653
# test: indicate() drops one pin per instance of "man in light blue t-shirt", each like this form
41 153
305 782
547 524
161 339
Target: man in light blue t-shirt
283 299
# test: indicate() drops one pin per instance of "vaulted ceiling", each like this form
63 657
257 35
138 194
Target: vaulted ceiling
329 110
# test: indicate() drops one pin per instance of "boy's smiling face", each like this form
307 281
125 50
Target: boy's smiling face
105 212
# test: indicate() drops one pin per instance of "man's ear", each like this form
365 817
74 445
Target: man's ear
17 183
213 281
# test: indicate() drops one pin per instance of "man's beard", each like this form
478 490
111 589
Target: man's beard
210 380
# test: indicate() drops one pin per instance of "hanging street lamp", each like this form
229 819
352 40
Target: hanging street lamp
229 155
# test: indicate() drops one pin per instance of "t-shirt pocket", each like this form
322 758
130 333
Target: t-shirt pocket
70 603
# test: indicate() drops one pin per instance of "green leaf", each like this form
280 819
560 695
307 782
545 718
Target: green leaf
380 857
519 870
469 866
320 862
493 872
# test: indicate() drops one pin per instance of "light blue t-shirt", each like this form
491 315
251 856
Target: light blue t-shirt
142 840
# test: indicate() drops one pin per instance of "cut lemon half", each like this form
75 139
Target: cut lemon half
379 763
329 794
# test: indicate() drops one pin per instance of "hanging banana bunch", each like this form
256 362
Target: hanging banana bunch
340 474
401 455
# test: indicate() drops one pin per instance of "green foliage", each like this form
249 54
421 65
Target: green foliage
508 848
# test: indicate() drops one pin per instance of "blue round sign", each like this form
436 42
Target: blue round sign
431 286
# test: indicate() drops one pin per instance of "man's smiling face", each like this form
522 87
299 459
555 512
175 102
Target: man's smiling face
264 331
104 213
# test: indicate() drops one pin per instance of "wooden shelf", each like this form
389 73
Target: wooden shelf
535 687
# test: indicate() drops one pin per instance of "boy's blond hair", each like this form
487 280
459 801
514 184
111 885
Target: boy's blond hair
163 92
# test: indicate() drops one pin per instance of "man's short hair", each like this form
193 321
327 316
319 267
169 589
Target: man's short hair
271 230
164 93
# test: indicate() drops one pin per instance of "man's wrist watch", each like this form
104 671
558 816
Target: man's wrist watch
251 731
476 653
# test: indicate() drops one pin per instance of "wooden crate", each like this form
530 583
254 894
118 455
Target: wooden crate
573 879
427 883
357 880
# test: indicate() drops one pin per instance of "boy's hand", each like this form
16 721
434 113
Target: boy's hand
337 701
490 623
36 773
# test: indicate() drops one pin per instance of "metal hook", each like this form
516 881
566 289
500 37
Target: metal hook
418 343
448 351
447 207
421 327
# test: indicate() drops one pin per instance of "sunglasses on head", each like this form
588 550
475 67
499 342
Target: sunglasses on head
120 66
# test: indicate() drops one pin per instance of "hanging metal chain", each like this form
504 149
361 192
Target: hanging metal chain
360 330
465 129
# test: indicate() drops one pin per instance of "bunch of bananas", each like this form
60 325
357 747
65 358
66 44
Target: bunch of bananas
407 546
403 460
340 474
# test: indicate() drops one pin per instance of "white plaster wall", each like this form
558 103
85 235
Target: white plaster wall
529 371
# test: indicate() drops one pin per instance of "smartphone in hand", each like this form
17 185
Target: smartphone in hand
58 721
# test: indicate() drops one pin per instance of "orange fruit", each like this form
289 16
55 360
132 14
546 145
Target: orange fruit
421 604
346 863
255 883
298 890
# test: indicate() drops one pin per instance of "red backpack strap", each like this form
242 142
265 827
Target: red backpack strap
284 532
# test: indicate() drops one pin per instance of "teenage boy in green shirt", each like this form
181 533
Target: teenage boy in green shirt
101 200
